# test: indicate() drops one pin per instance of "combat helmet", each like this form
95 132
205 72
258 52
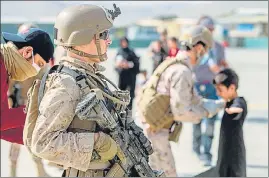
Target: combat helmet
78 25
195 35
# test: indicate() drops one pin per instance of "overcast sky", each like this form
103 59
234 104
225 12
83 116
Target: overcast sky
131 10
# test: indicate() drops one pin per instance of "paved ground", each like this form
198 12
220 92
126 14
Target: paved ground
256 139
252 66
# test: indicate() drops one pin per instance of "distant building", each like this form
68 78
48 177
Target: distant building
137 32
247 27
175 26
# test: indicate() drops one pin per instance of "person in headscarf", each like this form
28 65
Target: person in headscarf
127 66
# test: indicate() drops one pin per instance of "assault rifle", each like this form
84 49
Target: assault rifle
124 131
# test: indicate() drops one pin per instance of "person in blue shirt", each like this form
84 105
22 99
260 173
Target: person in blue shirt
204 73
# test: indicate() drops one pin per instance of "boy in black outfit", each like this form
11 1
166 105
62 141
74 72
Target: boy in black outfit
232 153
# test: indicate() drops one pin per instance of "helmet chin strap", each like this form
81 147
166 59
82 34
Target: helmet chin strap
101 57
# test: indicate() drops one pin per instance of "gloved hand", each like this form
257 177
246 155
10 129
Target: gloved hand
107 148
213 106
121 155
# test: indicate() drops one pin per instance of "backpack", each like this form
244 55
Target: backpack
154 106
31 109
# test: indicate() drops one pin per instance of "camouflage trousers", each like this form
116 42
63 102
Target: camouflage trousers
162 158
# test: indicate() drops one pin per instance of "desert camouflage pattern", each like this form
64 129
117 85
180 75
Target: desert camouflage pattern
58 135
169 95
162 157
177 82
185 105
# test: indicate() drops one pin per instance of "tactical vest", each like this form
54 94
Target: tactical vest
153 106
77 125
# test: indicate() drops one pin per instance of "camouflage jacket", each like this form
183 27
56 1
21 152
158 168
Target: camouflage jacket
185 103
51 139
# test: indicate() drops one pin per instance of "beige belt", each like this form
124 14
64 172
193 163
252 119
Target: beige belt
99 165
94 168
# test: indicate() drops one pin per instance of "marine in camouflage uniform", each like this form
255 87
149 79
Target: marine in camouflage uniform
59 135
174 81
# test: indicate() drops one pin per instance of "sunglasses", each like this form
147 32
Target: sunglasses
104 35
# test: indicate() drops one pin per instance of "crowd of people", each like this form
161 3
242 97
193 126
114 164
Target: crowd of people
190 82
